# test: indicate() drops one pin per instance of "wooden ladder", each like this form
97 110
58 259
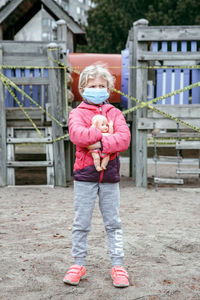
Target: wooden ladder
191 145
29 136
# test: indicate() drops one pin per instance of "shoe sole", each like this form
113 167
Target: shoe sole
119 285
73 283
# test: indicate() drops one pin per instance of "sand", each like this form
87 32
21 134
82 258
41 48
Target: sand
161 243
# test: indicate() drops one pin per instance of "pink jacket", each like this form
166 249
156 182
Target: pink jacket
82 134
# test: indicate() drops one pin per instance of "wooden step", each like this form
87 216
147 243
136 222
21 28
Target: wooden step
29 140
175 135
14 164
161 158
188 171
168 180
188 145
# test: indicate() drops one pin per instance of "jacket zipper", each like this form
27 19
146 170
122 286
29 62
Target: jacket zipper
101 174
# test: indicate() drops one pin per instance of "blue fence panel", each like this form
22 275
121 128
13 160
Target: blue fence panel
39 93
124 77
27 102
186 78
18 73
36 88
195 78
9 99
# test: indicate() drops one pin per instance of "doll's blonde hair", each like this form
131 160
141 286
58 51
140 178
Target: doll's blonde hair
99 118
94 71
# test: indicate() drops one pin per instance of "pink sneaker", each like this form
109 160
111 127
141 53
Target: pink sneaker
119 276
74 274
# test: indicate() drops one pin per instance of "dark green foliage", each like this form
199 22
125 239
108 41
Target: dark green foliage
110 21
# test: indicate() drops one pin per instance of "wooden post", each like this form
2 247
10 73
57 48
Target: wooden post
3 158
62 34
56 109
10 158
62 38
138 89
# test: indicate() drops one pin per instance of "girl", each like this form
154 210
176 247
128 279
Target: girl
95 85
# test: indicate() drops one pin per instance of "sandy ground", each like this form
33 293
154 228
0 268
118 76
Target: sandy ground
161 242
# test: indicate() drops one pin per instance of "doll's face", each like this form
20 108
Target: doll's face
103 126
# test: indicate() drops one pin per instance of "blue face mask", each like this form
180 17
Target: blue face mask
95 95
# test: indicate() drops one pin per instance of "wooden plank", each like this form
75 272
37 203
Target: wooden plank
49 157
18 74
24 61
139 88
179 111
188 171
169 33
26 47
68 160
188 145
10 157
8 9
168 180
28 132
18 114
9 99
56 109
27 90
175 135
172 56
28 140
36 90
195 78
3 158
150 123
29 80
161 158
23 123
13 164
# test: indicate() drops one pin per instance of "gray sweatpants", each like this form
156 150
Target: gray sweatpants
85 194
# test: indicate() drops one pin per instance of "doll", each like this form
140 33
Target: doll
101 122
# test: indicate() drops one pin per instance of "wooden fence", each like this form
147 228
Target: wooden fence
173 47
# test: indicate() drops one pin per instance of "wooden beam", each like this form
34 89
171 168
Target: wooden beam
188 145
56 110
138 84
29 140
182 56
169 33
14 164
180 111
188 171
150 123
3 156
30 80
168 180
9 8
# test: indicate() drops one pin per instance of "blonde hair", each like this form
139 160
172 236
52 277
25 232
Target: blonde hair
94 71
98 118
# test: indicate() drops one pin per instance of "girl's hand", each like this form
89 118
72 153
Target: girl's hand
96 145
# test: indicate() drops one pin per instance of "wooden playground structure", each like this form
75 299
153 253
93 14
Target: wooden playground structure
161 60
164 59
26 115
